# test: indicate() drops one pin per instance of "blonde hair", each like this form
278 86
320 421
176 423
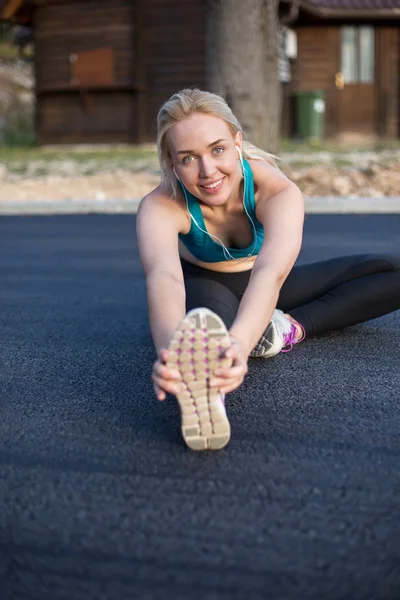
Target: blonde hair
181 106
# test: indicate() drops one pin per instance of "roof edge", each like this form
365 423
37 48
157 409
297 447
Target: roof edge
10 8
334 13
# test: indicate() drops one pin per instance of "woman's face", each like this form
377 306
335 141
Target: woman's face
205 157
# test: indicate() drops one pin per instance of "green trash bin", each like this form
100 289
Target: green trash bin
310 112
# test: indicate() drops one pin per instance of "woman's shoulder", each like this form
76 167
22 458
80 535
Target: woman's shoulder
261 167
267 177
160 203
160 197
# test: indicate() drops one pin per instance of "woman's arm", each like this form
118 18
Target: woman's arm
157 227
280 208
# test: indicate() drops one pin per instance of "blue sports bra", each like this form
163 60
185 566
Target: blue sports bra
205 248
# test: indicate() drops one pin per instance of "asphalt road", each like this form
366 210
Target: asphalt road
100 499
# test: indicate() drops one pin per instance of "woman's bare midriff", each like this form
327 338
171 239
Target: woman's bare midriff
226 266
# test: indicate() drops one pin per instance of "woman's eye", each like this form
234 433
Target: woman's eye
219 150
187 159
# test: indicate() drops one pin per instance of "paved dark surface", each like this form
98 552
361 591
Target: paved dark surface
99 498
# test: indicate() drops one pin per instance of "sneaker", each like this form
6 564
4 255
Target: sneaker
280 336
195 351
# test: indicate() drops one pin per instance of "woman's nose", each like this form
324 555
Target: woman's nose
207 167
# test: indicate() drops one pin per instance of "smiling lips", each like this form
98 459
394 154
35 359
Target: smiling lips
213 188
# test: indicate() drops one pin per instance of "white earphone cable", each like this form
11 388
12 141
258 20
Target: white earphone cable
227 254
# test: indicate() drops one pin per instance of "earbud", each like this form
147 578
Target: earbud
239 151
175 173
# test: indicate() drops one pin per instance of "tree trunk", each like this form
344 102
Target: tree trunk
242 65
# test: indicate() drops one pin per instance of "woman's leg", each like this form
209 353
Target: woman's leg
220 292
342 291
213 295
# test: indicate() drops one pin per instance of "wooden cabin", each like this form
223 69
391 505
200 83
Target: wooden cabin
103 67
350 50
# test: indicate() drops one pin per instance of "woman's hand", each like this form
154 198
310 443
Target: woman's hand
228 379
165 380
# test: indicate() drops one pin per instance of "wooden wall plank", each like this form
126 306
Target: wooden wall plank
173 45
65 29
82 26
97 117
389 88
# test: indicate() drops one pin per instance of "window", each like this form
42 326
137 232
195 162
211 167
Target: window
357 54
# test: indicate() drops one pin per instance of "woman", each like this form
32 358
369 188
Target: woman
219 238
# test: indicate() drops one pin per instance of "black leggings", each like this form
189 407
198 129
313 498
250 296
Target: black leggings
325 295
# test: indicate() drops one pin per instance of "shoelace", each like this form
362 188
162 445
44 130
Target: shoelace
289 339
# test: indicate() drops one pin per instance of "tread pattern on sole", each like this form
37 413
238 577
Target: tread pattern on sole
195 351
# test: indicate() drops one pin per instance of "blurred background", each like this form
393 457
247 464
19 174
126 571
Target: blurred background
303 76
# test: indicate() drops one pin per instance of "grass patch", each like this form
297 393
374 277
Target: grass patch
19 139
26 153
300 164
289 145
341 162
26 158
310 146
8 51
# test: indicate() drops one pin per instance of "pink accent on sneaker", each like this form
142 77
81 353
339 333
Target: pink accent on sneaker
290 339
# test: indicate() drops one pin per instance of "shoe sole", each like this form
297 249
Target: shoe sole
268 345
195 351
